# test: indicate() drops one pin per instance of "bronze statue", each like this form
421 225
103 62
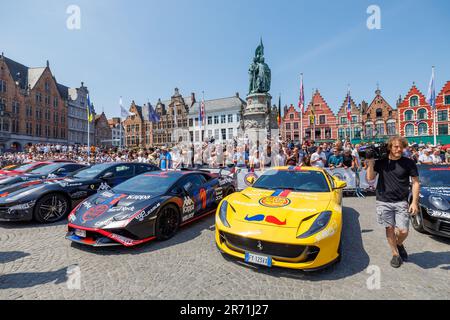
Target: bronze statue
259 72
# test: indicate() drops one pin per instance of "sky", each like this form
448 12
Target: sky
143 49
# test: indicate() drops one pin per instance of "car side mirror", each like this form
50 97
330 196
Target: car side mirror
250 180
339 184
107 175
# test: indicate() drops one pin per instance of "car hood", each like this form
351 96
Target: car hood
278 208
26 188
101 208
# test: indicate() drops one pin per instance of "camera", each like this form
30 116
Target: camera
374 151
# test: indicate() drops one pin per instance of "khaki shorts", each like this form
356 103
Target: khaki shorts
393 214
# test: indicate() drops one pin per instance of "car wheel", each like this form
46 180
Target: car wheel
51 208
167 223
417 222
229 191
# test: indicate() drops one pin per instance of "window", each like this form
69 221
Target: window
442 115
422 114
238 117
442 129
216 119
47 100
224 134
288 126
216 134
209 120
423 129
291 116
2 86
55 102
15 126
322 119
391 129
223 118
230 118
29 111
357 133
369 130
409 130
38 97
409 115
354 119
341 133
379 113
191 122
15 107
210 134
380 129
47 87
192 183
230 133
413 101
343 120
296 125
446 100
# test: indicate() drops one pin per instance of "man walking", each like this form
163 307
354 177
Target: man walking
393 189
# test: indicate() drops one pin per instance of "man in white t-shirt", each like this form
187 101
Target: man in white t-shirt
426 158
436 156
318 158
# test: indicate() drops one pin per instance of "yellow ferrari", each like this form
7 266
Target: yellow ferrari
291 217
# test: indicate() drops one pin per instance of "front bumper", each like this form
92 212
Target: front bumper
435 226
16 212
300 254
102 238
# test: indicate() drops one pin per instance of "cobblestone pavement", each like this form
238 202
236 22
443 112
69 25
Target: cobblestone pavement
34 260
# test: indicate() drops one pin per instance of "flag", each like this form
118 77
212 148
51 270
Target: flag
124 113
175 119
349 107
301 101
90 110
192 100
279 112
201 118
153 116
431 96
312 116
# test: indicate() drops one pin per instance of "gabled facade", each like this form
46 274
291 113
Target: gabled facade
324 127
380 119
415 115
103 134
352 129
443 111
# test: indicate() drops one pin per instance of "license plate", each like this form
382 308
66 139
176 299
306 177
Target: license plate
257 259
80 233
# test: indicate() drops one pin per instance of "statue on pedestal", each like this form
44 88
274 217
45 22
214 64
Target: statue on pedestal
259 73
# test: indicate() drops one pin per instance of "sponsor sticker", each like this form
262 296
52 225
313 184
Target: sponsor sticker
138 197
274 202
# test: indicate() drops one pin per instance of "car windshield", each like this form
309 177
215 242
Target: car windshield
303 181
29 166
91 172
435 177
47 169
153 183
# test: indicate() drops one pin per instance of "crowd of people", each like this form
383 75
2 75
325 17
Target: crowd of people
340 154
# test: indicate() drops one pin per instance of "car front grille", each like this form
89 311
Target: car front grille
243 244
444 227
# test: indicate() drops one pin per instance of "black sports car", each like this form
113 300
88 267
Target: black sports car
50 200
49 171
434 216
150 206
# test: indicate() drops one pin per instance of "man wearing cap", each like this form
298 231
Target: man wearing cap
165 159
426 158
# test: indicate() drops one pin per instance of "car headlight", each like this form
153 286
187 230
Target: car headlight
223 213
439 202
319 224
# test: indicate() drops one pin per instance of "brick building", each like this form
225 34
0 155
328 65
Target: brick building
379 119
290 127
33 106
103 133
345 129
416 115
325 126
117 132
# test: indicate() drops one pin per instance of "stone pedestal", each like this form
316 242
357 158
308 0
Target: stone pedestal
259 117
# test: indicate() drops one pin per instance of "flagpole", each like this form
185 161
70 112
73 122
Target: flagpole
301 110
120 125
434 110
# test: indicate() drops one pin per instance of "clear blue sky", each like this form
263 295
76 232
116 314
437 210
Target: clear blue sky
142 49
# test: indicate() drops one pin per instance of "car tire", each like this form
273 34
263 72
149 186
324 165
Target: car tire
167 223
51 208
229 191
417 222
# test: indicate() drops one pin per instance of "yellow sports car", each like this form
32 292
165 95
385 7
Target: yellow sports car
291 217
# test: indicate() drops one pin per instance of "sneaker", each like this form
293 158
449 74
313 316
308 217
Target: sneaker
402 252
396 261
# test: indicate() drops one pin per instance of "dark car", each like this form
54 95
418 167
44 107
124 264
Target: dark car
50 200
49 171
434 216
150 206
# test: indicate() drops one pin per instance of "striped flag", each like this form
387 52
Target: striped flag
349 107
301 101
201 119
431 96
90 109
279 112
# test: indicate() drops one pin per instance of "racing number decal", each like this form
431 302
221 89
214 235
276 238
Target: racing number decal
203 198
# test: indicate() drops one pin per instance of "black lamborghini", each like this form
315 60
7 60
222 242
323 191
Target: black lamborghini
147 207
434 215
50 200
